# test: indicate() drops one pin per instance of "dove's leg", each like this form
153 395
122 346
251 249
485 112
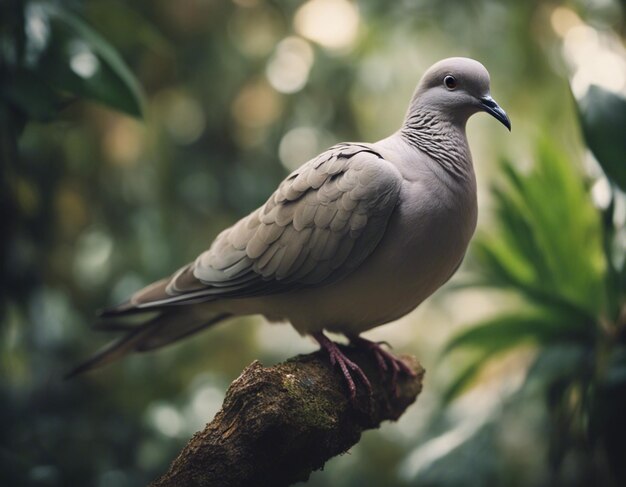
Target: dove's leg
347 366
385 360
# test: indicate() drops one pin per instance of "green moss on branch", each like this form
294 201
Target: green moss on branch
278 424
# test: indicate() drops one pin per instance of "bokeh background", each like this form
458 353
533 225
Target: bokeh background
133 132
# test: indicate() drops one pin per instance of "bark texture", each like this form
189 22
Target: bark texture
278 424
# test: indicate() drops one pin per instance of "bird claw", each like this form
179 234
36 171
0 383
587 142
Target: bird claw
347 366
385 360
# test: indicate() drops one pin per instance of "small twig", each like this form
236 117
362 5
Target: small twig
278 424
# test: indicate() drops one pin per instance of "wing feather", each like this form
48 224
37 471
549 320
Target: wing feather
322 222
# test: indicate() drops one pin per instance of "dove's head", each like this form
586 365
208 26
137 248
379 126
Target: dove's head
457 88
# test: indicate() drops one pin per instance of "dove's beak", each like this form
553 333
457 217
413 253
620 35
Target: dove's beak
489 105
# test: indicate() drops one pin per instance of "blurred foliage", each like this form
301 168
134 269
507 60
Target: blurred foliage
603 119
51 56
96 203
547 247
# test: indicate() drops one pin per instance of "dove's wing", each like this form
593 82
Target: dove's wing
320 224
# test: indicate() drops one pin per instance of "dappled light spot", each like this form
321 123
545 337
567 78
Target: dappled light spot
82 60
333 24
563 19
50 311
205 403
255 108
619 219
71 210
182 115
165 419
601 192
606 69
37 29
93 251
256 105
288 69
255 30
594 56
124 141
125 286
298 146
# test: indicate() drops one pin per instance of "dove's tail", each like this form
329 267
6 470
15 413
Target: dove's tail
168 326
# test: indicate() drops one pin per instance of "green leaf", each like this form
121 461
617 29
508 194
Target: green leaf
493 337
546 247
510 330
123 20
603 121
546 243
77 60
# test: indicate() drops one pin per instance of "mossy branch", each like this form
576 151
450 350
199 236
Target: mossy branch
278 424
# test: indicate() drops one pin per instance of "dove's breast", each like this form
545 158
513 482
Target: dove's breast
424 244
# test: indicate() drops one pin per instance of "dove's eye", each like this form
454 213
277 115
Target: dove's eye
450 82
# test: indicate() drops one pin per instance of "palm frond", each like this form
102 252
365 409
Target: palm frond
547 241
539 326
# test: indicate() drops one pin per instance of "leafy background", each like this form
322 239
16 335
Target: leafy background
132 132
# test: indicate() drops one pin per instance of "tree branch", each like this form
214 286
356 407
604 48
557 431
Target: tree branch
278 424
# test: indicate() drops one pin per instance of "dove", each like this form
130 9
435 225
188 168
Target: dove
355 238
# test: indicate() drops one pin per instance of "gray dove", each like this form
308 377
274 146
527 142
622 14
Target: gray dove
356 237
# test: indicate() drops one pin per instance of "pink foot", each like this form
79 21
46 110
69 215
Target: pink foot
337 357
384 359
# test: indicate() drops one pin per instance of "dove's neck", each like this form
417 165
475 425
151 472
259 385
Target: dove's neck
442 138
